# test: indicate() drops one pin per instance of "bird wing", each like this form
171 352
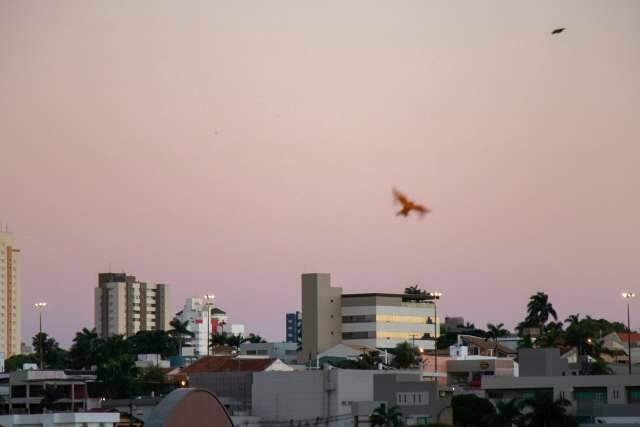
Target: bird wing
422 209
557 31
399 197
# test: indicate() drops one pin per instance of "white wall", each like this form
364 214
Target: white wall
305 395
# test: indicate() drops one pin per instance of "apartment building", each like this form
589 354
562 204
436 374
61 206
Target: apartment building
10 313
378 320
124 305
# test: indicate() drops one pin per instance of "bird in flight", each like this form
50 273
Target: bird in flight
408 205
557 31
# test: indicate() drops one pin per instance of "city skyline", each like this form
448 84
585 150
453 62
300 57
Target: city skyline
228 148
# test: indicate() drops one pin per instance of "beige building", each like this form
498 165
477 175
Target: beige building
368 320
124 306
10 330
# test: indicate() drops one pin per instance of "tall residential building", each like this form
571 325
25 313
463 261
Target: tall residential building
10 330
123 305
294 327
374 320
205 319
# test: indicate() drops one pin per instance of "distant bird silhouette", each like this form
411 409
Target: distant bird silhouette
408 205
557 31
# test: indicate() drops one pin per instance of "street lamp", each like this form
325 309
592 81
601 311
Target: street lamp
40 306
627 296
209 302
435 296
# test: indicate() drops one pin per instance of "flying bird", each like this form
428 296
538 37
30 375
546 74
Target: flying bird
408 205
557 31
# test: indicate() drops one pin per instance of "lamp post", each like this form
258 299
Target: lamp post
628 296
435 296
209 302
40 306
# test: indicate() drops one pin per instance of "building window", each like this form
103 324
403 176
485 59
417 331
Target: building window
633 395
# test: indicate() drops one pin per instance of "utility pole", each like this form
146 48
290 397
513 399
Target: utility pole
40 306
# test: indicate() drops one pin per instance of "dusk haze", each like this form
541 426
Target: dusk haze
224 147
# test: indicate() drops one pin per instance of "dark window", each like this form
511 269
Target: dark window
358 335
36 391
19 391
633 395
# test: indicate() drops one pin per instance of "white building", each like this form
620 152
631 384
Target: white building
285 351
325 395
125 306
10 304
205 319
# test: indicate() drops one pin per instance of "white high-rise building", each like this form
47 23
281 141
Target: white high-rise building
10 330
124 305
205 319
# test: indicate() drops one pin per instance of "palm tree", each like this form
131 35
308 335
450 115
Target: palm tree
178 331
494 332
572 319
381 416
119 377
543 411
507 413
552 335
539 309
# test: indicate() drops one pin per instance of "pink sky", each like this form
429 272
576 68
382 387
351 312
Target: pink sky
228 146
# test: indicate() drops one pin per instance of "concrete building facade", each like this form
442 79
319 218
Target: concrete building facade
285 351
10 303
124 305
375 320
321 315
543 371
385 320
418 400
319 397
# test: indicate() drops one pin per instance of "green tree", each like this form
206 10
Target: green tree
507 413
15 362
543 411
381 416
494 332
51 395
152 342
234 340
112 347
179 332
118 376
85 349
552 335
405 355
470 410
54 357
253 338
151 379
414 290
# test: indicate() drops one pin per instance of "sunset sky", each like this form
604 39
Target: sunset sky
226 147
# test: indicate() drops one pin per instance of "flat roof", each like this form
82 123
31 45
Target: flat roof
377 294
